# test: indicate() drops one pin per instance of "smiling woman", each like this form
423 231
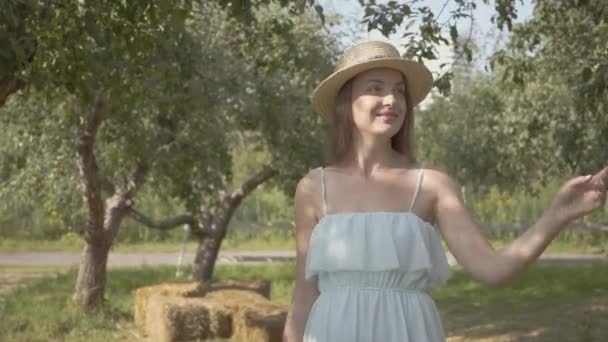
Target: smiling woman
369 223
366 90
379 94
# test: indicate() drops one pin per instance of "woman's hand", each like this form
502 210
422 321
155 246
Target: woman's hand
580 196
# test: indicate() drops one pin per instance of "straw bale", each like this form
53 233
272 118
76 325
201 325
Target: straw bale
189 289
261 286
231 295
173 319
254 317
259 323
234 299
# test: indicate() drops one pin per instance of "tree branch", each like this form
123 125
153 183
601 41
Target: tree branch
166 224
263 174
442 8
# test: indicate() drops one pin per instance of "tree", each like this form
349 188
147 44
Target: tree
275 72
100 77
141 92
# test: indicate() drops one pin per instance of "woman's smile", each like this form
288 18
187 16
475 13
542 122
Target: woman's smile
387 115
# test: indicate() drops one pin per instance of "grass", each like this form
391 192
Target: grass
570 241
13 276
281 239
544 304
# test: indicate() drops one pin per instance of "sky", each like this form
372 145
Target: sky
484 31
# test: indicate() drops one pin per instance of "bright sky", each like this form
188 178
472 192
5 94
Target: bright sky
484 31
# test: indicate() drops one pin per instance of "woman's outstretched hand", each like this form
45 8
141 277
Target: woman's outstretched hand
579 196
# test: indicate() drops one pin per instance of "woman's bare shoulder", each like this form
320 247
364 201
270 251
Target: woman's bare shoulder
439 181
310 179
308 190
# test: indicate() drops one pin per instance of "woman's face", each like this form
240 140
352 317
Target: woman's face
378 102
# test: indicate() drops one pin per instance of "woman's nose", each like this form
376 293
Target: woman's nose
389 99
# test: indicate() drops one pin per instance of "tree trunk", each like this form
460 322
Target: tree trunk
91 281
206 255
103 218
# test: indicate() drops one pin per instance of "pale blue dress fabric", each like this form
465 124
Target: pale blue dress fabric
375 271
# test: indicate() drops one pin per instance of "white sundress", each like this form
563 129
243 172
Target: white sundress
375 271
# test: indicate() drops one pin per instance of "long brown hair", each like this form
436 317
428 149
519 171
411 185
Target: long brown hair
341 128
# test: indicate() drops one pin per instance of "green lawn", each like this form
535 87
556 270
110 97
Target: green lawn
545 304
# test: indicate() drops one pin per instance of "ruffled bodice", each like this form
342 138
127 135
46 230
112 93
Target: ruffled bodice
400 243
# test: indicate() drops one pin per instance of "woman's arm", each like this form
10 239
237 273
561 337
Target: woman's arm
577 197
305 293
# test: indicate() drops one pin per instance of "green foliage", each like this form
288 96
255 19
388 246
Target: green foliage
17 45
469 136
288 65
260 238
178 85
268 205
133 58
264 100
244 9
39 177
555 67
425 31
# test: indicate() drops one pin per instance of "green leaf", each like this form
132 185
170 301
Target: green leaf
586 74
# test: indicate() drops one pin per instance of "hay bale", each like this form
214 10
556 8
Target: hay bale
172 319
261 286
228 294
259 323
142 295
254 317
235 299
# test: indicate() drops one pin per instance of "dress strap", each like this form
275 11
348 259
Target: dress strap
323 191
418 182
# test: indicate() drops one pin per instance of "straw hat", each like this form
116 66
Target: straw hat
366 56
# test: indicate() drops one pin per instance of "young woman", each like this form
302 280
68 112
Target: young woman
369 224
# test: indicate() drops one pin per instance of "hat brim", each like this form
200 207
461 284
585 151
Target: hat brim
419 82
